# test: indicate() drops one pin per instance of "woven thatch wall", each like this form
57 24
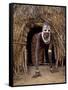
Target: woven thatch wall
25 17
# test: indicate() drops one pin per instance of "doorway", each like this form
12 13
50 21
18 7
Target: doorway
43 57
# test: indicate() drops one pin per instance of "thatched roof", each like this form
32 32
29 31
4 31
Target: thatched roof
54 15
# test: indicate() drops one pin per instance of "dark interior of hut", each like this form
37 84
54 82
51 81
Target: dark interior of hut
33 31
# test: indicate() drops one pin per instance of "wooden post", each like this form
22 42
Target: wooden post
25 54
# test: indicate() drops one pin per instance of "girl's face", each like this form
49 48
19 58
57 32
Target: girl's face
46 31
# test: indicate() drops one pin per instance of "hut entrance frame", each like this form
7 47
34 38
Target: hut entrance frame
27 51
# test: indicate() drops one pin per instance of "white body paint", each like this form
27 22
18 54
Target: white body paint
46 29
49 50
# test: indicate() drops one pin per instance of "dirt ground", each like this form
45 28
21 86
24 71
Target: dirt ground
46 77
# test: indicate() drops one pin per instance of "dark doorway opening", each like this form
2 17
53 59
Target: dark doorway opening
33 31
46 55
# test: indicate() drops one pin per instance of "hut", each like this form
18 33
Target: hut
27 21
